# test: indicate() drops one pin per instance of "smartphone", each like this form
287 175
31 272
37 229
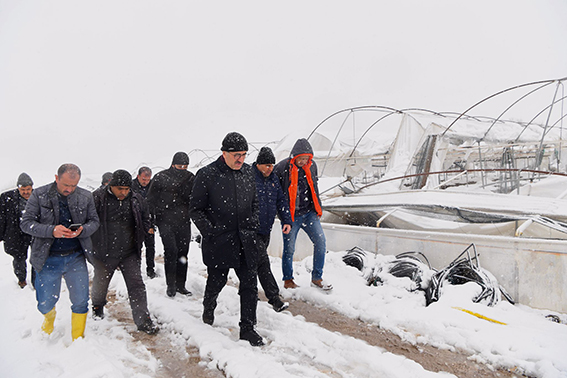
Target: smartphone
74 226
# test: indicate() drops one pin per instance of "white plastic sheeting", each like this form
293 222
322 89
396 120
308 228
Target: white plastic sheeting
531 270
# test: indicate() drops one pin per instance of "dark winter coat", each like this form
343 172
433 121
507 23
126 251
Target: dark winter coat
42 215
282 171
138 188
15 240
224 207
169 195
271 201
140 213
143 191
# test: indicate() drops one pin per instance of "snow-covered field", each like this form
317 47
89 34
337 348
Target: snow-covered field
528 342
109 85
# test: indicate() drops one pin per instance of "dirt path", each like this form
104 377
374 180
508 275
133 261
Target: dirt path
176 362
431 358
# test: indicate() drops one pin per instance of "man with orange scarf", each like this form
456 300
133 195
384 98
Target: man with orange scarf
298 178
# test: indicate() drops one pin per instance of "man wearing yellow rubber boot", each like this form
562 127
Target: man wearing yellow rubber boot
61 217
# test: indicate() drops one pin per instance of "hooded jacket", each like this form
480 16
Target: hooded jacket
42 215
224 207
295 180
15 240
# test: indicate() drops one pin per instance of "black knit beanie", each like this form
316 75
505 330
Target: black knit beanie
121 178
266 156
180 158
234 142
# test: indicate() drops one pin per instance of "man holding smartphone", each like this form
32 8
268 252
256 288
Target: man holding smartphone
56 250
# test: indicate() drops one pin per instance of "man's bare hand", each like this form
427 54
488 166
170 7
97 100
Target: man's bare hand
286 228
62 232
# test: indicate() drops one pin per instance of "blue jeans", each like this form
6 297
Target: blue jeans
312 226
48 282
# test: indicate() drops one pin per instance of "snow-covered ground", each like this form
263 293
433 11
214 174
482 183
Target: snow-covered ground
109 85
527 342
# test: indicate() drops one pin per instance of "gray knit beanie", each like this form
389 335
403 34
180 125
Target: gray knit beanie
24 180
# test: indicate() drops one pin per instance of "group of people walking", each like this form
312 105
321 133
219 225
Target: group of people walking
232 204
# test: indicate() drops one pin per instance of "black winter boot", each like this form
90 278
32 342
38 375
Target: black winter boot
98 312
184 291
171 291
209 316
252 337
209 305
148 327
279 305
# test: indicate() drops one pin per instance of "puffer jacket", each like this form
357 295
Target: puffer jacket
224 207
42 215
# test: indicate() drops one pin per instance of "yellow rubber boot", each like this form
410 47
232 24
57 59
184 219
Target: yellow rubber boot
78 322
47 325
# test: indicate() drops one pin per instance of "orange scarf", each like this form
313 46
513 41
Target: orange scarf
293 178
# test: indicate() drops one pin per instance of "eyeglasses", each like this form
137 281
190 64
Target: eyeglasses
238 156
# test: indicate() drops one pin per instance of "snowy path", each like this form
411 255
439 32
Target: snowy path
295 347
529 343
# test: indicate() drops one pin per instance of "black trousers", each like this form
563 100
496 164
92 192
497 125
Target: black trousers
130 269
175 239
19 264
150 244
248 291
265 275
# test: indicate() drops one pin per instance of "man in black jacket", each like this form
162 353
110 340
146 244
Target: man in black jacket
272 202
141 185
168 198
16 242
124 221
224 207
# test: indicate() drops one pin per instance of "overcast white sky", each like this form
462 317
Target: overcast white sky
99 83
